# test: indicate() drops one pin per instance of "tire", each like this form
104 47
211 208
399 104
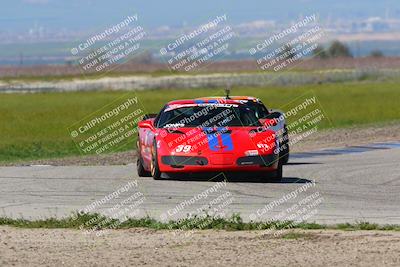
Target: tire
140 169
155 170
284 155
277 175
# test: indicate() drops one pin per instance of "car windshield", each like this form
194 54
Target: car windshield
259 109
221 115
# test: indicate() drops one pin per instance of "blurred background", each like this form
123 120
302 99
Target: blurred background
42 32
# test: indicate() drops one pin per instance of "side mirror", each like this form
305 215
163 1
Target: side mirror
272 119
149 116
268 122
275 115
146 124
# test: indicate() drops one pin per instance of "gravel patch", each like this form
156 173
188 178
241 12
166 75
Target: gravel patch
138 247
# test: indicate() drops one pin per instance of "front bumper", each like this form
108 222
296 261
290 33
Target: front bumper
215 163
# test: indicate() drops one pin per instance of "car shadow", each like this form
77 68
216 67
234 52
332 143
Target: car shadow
302 163
285 180
236 178
294 180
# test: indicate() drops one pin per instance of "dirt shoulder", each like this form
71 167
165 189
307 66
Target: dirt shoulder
353 136
137 247
319 140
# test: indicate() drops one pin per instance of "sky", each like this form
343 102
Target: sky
20 15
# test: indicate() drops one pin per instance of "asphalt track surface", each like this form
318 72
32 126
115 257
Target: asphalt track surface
328 186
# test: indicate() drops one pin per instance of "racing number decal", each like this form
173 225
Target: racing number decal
184 149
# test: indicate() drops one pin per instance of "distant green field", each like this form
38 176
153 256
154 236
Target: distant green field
35 126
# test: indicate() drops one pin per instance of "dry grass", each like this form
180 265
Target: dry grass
65 71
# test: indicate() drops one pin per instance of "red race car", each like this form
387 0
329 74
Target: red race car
264 115
200 136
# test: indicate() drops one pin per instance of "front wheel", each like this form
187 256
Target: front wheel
278 174
275 176
141 171
284 153
155 170
284 157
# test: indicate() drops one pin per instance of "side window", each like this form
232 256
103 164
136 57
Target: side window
262 110
156 120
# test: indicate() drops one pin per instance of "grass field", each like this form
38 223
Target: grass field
35 126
